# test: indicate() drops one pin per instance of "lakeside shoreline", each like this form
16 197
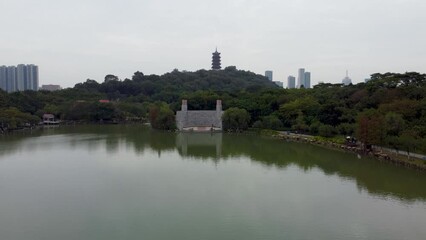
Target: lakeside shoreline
378 154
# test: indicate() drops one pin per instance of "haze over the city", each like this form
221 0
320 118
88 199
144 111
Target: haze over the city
71 41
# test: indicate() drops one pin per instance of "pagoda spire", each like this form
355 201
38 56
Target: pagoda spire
216 60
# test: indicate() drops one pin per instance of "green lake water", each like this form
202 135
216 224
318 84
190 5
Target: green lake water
130 182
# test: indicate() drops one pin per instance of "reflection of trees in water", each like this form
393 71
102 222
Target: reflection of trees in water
91 137
136 137
48 139
370 175
12 143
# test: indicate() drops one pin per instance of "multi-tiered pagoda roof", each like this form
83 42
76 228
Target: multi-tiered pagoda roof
216 60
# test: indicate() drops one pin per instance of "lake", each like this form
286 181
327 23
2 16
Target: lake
131 182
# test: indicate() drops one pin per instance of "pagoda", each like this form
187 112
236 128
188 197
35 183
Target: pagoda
216 60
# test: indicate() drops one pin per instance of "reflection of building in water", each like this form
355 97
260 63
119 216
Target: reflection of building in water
200 144
199 121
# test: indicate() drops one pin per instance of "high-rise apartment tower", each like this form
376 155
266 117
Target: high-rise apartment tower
291 82
20 78
307 80
268 74
301 78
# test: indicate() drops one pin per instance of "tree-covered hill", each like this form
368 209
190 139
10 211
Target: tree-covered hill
170 86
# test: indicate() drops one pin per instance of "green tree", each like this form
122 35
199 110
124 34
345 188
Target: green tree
77 111
409 141
13 118
272 122
371 129
326 130
330 113
314 127
346 129
235 119
258 124
394 123
306 106
300 124
111 77
162 117
104 112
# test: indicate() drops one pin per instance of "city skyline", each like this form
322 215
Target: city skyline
96 38
19 78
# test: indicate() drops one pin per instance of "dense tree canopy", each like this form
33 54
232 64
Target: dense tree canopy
235 119
161 117
387 110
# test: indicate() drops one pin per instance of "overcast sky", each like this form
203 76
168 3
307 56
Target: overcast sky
74 40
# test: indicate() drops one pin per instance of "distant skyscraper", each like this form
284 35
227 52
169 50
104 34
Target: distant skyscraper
216 60
20 78
346 81
3 78
11 79
29 77
32 77
291 82
307 80
301 78
268 74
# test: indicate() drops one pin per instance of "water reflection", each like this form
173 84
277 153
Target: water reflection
379 179
200 145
